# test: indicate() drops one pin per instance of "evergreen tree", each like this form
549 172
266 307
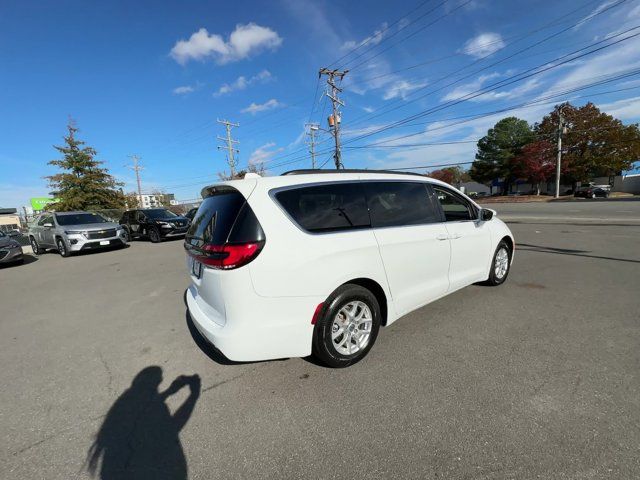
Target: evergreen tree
498 148
83 184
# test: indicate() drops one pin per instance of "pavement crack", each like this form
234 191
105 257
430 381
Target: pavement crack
108 370
228 380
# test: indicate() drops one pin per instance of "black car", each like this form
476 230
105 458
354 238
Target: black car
591 192
154 224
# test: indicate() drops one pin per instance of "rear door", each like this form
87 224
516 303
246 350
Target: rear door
412 239
46 233
470 238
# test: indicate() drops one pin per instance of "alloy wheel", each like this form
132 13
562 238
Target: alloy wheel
502 263
351 328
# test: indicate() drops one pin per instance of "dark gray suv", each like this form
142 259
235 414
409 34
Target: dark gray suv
70 232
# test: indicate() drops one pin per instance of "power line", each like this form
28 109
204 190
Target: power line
401 104
367 60
508 81
555 21
382 32
536 102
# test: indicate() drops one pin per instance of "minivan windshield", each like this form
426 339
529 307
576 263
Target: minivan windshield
79 218
159 213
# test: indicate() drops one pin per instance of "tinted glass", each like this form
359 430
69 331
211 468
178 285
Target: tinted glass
79 218
214 219
246 227
47 219
325 208
159 213
2 234
454 207
393 204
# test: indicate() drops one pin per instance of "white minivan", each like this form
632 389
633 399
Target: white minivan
315 262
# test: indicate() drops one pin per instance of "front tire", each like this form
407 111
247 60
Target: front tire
154 235
62 248
35 247
348 327
500 265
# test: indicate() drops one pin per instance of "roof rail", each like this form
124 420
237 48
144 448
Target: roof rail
306 171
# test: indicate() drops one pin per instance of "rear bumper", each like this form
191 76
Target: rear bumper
256 328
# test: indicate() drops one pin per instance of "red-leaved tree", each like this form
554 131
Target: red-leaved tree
536 162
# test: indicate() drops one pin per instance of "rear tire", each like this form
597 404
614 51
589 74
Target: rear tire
500 266
154 235
62 248
347 328
35 247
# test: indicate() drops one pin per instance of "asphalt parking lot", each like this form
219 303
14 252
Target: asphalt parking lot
537 378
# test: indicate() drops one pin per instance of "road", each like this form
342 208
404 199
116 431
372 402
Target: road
537 378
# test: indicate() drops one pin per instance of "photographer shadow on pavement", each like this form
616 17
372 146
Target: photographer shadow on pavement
139 438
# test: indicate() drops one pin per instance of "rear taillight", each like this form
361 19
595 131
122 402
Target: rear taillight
227 256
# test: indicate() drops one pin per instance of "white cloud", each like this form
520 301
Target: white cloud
264 153
371 40
368 109
243 82
183 90
468 88
483 44
244 41
401 88
625 109
261 107
596 11
617 59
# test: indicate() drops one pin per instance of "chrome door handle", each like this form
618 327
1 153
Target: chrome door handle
455 236
442 236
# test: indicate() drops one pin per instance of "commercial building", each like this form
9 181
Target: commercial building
154 200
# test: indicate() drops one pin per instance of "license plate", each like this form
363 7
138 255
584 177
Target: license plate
104 242
196 268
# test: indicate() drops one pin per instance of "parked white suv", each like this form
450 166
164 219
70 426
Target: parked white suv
316 262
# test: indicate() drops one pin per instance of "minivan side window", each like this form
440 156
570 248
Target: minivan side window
393 204
455 208
326 208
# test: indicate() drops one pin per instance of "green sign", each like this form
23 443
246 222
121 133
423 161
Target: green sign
40 203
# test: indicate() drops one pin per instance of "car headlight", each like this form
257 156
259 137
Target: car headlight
165 224
75 232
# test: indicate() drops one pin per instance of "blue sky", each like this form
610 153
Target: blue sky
151 78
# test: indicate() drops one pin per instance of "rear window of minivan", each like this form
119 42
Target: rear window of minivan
326 208
224 218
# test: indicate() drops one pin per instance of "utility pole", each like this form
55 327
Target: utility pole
231 151
136 168
313 128
334 119
559 159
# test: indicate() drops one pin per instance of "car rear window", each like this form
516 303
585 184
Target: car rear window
224 217
393 204
326 208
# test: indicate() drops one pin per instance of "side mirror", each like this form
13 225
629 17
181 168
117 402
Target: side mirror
486 214
48 225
